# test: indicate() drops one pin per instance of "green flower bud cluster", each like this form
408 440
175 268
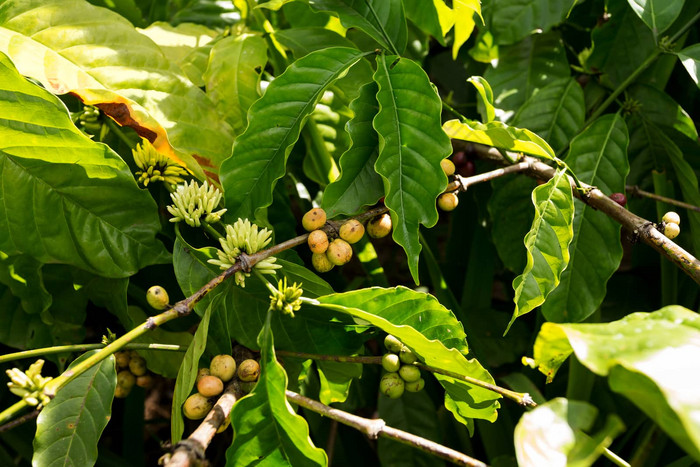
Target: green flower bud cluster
402 374
192 201
156 167
91 122
29 385
244 237
287 298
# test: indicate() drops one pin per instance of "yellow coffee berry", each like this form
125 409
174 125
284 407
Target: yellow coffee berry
249 370
137 365
318 241
448 201
352 231
210 386
672 230
121 392
223 367
157 297
672 218
339 252
380 226
447 166
313 219
122 358
321 263
196 407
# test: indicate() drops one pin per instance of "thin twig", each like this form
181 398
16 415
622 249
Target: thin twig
84 348
636 191
18 421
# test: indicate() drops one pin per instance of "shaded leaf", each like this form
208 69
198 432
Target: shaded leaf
598 156
657 14
653 359
514 20
662 109
267 431
69 427
547 244
63 197
411 146
22 274
275 121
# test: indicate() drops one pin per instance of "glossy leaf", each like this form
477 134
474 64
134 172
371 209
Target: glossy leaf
523 68
514 20
690 57
232 77
275 121
69 427
554 434
267 431
432 332
107 63
653 359
22 274
433 17
359 184
547 244
411 146
598 156
657 14
662 109
383 20
335 380
499 135
556 113
63 197
484 89
187 374
464 11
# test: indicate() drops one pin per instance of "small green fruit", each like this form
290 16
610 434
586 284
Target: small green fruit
223 367
392 344
672 230
126 379
407 356
339 252
415 386
447 166
249 370
671 218
380 226
137 365
122 358
210 386
314 219
196 407
391 385
352 231
321 263
409 373
157 297
448 201
318 241
391 362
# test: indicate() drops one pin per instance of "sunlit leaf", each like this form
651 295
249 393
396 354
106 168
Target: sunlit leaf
657 14
464 11
690 57
484 89
335 380
432 16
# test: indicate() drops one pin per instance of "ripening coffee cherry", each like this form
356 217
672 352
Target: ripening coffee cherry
352 231
318 241
202 372
339 252
249 370
126 379
145 381
468 169
210 386
448 201
409 373
196 406
391 385
391 362
314 219
137 365
407 356
619 198
672 230
122 358
671 218
321 263
380 226
447 166
392 344
459 158
223 367
415 386
157 297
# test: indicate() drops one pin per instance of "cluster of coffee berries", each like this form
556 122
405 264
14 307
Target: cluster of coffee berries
402 373
463 164
326 253
210 383
448 201
131 370
671 224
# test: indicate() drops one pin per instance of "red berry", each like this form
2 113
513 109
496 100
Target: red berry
459 158
468 169
619 198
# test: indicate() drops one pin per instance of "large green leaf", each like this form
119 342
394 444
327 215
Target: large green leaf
69 427
653 359
432 332
514 20
598 157
233 74
499 135
335 378
275 121
267 431
63 197
657 14
383 20
359 184
411 146
107 63
547 244
523 68
556 112
553 435
432 16
661 109
22 274
690 57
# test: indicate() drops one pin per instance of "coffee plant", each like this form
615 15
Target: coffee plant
361 232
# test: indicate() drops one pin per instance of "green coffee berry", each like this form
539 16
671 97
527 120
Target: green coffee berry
196 406
407 356
318 241
671 218
392 344
409 373
313 219
447 166
415 386
391 362
126 379
380 226
122 358
157 297
210 386
321 263
249 370
137 365
448 201
339 252
352 231
391 385
223 367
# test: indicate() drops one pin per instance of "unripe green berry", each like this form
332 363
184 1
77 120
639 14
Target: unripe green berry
352 231
339 252
122 358
391 385
672 218
415 386
391 362
392 344
126 379
210 386
409 373
321 263
314 219
380 226
448 201
407 356
447 166
223 367
157 297
121 392
318 241
196 406
249 370
137 365
672 230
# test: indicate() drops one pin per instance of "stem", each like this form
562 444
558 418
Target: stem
636 191
19 421
684 28
374 428
84 348
10 412
466 182
454 111
212 231
117 129
615 459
